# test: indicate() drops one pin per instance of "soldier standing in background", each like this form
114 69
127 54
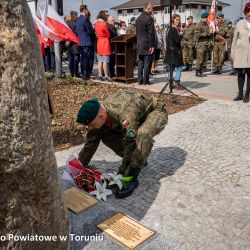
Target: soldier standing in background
132 28
202 36
220 43
230 36
126 122
188 44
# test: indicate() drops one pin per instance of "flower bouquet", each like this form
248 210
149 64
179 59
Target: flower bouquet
89 179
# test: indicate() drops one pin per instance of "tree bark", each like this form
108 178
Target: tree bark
31 201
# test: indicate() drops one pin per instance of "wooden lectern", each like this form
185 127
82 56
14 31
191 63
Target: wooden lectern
124 53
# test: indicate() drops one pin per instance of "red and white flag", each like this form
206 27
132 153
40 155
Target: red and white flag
45 34
51 25
212 16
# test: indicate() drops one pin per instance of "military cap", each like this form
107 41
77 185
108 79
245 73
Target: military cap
132 19
204 15
88 111
221 15
190 17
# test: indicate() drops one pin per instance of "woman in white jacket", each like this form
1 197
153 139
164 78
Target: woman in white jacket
241 54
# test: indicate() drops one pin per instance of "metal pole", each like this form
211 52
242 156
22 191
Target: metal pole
57 47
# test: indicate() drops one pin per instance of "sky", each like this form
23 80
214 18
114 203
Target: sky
94 6
232 12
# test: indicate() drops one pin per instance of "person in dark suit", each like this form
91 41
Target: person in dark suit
113 33
145 33
85 34
73 48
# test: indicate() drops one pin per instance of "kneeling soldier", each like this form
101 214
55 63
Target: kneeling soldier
126 122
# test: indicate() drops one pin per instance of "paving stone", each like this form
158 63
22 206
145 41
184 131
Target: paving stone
195 189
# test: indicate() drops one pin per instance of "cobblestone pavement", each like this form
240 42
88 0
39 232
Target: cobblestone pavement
196 187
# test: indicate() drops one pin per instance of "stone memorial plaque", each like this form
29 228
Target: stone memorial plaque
125 230
78 201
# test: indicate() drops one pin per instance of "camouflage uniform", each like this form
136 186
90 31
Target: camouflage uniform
201 40
135 118
131 29
219 46
187 45
230 36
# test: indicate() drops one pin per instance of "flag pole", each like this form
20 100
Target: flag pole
58 58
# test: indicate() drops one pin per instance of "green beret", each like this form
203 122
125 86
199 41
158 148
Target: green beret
132 19
204 15
190 17
88 111
220 15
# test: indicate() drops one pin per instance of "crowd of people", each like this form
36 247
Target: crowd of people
178 47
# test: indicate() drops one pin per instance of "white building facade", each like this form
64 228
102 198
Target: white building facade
162 14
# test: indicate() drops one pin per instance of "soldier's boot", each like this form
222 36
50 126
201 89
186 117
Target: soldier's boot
198 74
128 188
202 74
219 70
216 71
190 68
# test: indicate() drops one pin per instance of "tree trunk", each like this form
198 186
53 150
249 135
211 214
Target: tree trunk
31 201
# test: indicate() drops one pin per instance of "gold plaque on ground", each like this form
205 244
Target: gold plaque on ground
78 201
125 230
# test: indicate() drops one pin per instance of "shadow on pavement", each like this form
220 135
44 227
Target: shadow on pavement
162 163
194 84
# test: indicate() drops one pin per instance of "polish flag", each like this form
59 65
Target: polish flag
45 34
212 15
54 22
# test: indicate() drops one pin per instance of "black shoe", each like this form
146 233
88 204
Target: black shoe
157 72
246 98
107 79
238 98
85 78
148 83
199 74
77 76
101 78
186 69
220 70
127 189
232 73
140 82
216 71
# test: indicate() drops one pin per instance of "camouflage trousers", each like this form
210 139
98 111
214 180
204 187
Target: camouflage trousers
201 55
153 125
187 51
219 54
